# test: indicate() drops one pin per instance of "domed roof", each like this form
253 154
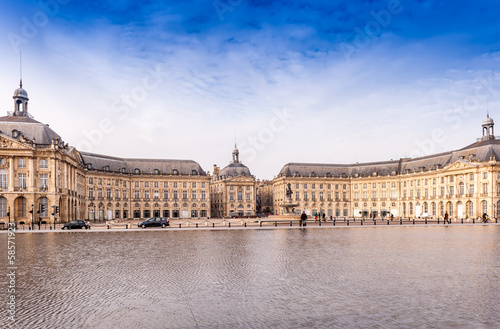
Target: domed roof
488 121
235 169
20 92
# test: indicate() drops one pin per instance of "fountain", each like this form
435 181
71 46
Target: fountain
289 206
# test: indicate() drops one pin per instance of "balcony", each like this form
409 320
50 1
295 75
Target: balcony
100 198
117 199
91 198
44 188
20 189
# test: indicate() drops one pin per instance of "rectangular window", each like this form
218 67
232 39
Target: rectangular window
22 163
184 185
471 189
125 197
165 184
136 184
203 195
184 195
202 185
471 176
156 194
305 195
297 195
313 186
44 181
156 184
374 194
91 192
193 195
165 195
99 193
175 184
108 193
485 188
305 186
22 181
231 196
393 194
44 163
344 195
146 184
248 196
136 194
91 180
321 195
175 195
365 195
117 194
384 195
146 194
313 195
193 185
356 195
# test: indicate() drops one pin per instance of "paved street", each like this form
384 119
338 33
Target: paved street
203 224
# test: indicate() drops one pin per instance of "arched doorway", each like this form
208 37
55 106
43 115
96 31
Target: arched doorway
460 210
19 208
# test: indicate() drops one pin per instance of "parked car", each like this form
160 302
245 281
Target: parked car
79 223
155 222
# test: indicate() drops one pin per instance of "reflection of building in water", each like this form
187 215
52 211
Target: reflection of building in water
38 170
464 183
233 189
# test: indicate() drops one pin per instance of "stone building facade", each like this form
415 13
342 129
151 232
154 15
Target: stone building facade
38 170
265 196
464 183
233 190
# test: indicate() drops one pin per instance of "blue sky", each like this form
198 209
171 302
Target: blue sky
291 81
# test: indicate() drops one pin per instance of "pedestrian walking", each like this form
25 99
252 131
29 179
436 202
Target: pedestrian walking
303 218
485 218
446 219
324 217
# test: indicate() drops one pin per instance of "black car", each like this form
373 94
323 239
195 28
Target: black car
80 223
155 221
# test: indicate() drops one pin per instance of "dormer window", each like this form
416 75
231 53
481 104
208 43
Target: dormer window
89 166
175 172
194 172
124 170
374 174
313 174
328 175
106 168
156 171
137 171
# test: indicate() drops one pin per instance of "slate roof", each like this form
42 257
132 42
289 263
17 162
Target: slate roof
235 169
481 151
145 166
29 128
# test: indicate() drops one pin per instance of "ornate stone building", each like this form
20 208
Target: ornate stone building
233 190
142 188
37 169
265 196
465 183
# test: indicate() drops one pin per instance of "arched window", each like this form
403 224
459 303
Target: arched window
461 188
194 172
156 172
175 172
484 207
137 171
44 202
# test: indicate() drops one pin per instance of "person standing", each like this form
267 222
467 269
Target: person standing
303 219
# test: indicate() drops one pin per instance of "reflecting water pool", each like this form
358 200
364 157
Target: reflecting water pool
387 277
